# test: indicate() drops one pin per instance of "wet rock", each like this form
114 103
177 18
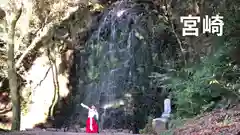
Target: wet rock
2 14
33 129
110 41
71 130
119 130
126 131
51 129
82 130
60 130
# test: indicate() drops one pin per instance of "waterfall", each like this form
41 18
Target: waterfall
120 55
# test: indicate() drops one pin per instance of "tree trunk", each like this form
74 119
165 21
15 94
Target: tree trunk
12 75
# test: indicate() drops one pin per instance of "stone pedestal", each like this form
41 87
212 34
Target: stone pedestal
160 124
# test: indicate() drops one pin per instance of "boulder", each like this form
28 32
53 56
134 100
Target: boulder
160 124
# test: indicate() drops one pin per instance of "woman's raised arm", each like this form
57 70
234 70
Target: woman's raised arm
84 106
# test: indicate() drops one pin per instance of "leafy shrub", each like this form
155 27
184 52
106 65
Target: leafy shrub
201 87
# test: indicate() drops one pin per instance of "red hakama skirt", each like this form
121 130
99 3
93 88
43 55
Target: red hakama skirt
94 125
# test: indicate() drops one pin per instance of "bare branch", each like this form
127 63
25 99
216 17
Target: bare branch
44 34
170 21
12 75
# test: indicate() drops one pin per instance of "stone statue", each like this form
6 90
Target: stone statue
161 123
167 108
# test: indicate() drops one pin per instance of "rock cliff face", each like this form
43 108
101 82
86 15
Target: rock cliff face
118 63
2 14
47 84
110 63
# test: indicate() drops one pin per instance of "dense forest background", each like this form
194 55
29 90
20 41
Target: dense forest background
54 55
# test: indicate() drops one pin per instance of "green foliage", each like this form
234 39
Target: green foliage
214 81
201 87
24 107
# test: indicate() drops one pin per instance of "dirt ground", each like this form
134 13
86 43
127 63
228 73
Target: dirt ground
219 122
59 133
52 131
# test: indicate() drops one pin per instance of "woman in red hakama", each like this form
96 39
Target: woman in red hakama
91 123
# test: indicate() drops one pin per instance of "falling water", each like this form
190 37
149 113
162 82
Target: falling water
120 53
